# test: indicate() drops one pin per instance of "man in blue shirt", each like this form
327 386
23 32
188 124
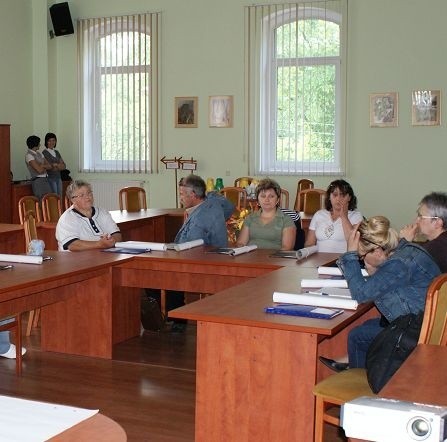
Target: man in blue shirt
205 218
205 215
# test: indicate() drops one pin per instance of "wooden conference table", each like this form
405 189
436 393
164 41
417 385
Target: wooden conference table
255 372
426 364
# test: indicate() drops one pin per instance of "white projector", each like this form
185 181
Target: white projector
388 420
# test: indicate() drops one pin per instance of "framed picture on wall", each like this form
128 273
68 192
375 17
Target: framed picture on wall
426 108
220 112
383 109
186 111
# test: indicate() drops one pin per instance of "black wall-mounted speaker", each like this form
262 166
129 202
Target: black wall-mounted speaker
61 18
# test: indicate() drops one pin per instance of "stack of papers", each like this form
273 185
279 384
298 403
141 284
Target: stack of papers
318 299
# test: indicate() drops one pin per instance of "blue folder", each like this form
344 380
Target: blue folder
304 310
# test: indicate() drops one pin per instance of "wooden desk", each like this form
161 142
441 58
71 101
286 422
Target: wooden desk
158 225
76 294
421 378
255 372
426 364
99 428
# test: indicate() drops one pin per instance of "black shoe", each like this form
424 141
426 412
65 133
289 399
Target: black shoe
334 365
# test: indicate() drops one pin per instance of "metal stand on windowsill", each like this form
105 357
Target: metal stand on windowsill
179 163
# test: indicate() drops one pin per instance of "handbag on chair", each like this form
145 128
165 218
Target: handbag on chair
390 348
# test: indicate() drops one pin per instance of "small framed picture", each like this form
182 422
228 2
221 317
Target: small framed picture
220 112
426 108
383 110
186 111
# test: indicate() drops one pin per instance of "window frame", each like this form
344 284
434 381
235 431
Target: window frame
92 75
266 162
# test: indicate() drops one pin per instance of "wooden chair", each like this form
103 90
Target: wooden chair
310 200
237 195
16 326
51 207
350 384
29 227
284 200
303 184
132 199
237 181
29 203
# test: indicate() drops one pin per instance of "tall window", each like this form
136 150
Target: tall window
295 87
118 88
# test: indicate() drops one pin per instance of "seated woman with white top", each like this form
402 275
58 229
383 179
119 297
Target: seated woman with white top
330 227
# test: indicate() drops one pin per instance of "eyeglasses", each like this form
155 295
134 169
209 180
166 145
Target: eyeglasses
361 257
83 195
425 216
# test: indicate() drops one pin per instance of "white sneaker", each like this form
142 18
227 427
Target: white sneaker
11 353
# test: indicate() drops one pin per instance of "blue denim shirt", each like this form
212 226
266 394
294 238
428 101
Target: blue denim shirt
208 222
399 285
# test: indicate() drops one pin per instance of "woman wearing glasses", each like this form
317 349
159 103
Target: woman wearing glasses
400 273
84 226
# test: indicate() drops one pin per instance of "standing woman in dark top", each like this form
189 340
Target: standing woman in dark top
38 167
55 159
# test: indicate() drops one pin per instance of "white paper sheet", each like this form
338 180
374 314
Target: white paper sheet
25 259
244 249
307 251
334 271
317 300
312 283
33 421
188 245
332 291
142 245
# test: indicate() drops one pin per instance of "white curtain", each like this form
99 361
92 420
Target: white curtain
118 74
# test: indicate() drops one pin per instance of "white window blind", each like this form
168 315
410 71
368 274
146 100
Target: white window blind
119 93
295 87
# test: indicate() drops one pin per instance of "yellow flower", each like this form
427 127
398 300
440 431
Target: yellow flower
235 223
